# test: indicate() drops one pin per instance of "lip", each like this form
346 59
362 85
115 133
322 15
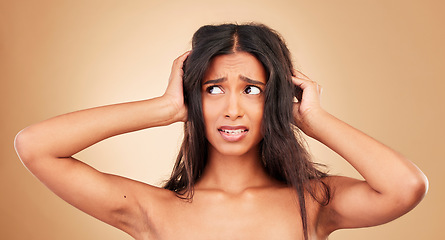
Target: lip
233 133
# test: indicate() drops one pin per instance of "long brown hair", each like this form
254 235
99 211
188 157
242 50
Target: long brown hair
282 150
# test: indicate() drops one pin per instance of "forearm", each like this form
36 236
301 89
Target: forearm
67 134
385 170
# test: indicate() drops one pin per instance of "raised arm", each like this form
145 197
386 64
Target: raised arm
393 185
46 149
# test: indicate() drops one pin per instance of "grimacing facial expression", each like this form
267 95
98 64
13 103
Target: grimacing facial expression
233 102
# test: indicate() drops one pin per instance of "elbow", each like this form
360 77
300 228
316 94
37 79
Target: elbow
415 190
420 187
23 145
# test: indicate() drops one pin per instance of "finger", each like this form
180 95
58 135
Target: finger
299 74
179 62
185 55
298 81
303 82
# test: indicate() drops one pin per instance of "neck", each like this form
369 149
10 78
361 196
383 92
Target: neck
234 174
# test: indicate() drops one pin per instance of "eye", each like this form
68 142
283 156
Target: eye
252 90
214 90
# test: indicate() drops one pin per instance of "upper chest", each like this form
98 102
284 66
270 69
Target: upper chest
257 214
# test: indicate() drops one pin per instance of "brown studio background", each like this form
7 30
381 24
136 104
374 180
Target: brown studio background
380 63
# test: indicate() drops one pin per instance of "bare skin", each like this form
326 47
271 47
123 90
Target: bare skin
235 198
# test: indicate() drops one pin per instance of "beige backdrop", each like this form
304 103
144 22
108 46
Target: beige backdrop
381 64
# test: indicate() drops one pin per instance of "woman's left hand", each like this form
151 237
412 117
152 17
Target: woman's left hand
309 105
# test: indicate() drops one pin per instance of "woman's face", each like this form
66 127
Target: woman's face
233 102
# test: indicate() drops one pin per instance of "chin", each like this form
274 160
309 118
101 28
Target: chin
235 150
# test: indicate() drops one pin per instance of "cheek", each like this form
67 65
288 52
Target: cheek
259 117
205 114
256 110
209 111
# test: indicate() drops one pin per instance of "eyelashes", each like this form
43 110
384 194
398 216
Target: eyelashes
253 90
215 89
249 90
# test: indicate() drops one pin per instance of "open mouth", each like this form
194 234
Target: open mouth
233 134
238 131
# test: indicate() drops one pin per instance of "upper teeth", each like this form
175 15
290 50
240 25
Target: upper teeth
233 131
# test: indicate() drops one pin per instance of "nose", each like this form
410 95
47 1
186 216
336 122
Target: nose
234 109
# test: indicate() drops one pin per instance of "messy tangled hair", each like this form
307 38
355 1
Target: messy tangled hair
282 151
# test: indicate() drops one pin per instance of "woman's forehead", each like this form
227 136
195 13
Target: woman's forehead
238 63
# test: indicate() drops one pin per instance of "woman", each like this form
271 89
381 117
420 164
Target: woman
242 172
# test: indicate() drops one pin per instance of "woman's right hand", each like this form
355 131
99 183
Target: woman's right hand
174 92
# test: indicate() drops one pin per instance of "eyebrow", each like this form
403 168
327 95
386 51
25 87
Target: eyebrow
214 81
243 78
251 81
